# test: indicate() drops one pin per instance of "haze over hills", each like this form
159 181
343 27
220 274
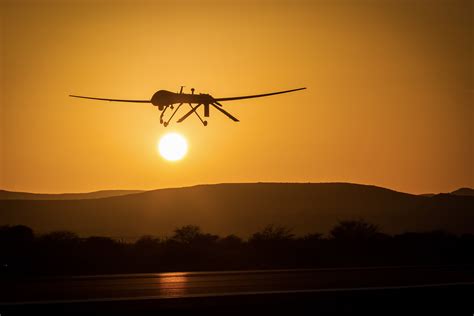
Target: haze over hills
10 195
243 209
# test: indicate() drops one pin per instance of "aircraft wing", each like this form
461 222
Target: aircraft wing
256 95
114 100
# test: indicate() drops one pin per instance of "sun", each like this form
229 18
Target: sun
173 146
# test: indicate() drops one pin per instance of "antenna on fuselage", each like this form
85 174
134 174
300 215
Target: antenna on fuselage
181 91
192 90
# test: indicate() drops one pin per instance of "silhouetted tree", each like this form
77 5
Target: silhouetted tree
272 234
61 238
186 234
313 237
272 247
100 244
191 234
354 230
350 243
147 242
231 241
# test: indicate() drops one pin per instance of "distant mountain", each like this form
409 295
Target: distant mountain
243 209
461 191
10 195
464 191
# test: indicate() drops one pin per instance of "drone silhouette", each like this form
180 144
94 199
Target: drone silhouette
164 100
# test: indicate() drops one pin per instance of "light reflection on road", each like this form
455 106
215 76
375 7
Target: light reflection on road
172 284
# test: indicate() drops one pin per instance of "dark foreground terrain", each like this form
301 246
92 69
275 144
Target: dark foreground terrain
373 290
418 261
369 273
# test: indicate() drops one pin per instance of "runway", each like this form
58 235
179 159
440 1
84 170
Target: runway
127 287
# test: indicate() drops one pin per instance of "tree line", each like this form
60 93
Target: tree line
349 243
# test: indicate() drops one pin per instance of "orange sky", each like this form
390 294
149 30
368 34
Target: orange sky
389 99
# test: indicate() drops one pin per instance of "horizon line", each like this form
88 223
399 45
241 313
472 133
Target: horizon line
224 183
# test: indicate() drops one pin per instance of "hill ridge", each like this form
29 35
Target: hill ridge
244 208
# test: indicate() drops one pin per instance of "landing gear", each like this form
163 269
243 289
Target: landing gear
215 104
171 117
202 121
193 110
162 114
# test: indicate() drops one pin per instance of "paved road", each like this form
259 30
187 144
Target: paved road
226 283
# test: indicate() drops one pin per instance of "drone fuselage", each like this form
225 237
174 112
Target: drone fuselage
164 98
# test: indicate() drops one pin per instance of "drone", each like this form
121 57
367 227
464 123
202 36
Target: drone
165 100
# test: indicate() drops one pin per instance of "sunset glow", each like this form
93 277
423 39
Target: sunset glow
388 99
